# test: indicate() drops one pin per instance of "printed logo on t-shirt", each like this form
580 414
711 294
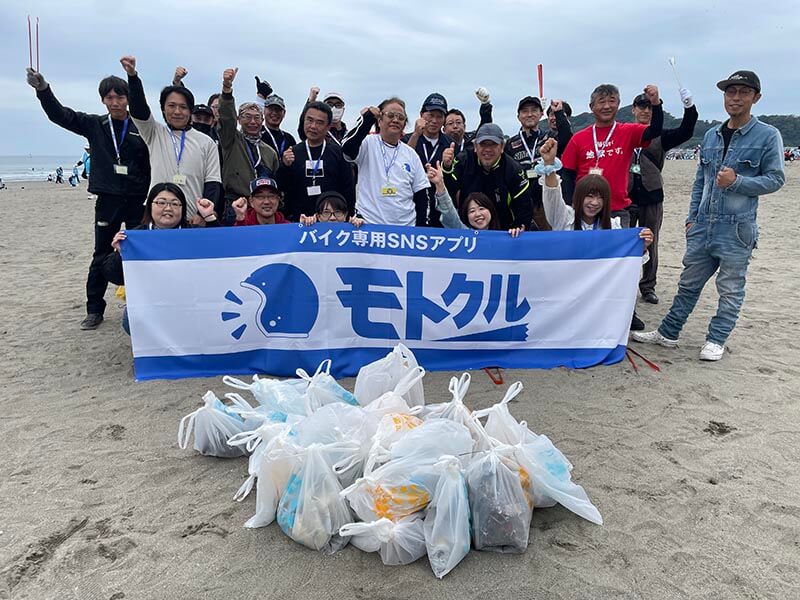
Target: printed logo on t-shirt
407 167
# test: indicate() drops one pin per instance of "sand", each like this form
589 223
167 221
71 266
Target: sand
694 469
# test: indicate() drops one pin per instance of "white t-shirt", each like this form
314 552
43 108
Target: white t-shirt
406 175
199 160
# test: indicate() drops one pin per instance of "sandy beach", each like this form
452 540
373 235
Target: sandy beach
694 469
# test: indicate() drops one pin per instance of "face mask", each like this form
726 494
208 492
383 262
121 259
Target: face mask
202 128
338 113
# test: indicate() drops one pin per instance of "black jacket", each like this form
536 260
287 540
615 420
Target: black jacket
133 151
433 156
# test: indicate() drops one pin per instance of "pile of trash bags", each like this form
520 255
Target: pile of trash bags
381 469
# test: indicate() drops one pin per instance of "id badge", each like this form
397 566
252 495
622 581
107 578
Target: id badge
388 190
313 190
120 169
320 170
531 174
636 169
595 171
179 179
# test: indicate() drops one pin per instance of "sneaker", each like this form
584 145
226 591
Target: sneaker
650 297
711 351
92 321
636 323
653 337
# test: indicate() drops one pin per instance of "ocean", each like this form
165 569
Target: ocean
35 168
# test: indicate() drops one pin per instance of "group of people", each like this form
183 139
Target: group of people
222 164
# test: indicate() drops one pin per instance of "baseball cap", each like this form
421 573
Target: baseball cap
330 95
274 100
529 100
204 109
747 78
489 131
641 100
435 102
263 182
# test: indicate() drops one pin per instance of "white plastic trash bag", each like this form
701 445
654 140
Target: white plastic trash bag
256 444
456 411
390 429
381 376
501 424
213 425
446 524
399 543
277 461
286 396
394 401
323 389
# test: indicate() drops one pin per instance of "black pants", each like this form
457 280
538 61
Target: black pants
109 213
651 216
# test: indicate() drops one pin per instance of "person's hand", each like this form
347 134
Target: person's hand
205 207
288 157
263 88
647 235
689 226
548 151
726 177
356 221
313 94
557 105
449 155
686 98
308 221
180 73
435 176
240 208
228 75
482 94
36 80
129 64
419 125
651 91
515 231
376 112
196 220
118 237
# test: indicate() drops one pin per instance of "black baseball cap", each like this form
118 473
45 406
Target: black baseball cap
747 78
641 100
530 100
204 109
435 101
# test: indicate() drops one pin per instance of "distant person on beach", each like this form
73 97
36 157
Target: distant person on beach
740 160
120 177
2 184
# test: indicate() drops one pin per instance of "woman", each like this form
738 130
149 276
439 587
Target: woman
477 211
331 208
165 208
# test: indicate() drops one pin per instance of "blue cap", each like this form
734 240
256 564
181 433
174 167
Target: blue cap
263 182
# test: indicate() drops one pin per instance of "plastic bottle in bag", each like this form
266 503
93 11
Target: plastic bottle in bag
323 389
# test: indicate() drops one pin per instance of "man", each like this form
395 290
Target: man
645 185
490 170
334 100
739 160
272 134
120 173
245 156
455 123
606 147
315 166
261 207
203 120
178 153
430 143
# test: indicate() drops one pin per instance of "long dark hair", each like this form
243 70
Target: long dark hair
587 186
483 201
167 186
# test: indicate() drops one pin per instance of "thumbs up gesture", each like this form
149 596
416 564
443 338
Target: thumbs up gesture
288 157
449 155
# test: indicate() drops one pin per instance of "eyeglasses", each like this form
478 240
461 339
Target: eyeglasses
395 116
743 91
327 214
250 117
163 203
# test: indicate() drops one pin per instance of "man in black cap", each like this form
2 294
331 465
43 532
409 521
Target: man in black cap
645 185
430 143
740 160
272 134
203 120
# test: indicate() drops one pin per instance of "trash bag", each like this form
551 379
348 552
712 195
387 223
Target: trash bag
213 425
456 411
394 400
311 510
551 480
501 515
500 424
390 429
377 378
254 416
323 389
434 439
255 443
277 462
447 520
286 396
399 543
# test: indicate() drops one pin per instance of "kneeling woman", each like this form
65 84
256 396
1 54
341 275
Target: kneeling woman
477 211
165 209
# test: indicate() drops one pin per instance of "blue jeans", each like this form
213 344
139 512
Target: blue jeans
721 246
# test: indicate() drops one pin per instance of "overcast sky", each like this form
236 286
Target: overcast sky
368 50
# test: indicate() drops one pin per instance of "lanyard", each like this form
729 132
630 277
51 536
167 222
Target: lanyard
114 137
178 153
387 167
275 142
637 152
463 141
315 168
433 151
597 149
531 153
253 160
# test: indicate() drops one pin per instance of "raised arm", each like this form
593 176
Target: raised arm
657 121
351 144
227 110
76 122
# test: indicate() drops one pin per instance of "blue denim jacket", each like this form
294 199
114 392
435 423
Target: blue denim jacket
756 154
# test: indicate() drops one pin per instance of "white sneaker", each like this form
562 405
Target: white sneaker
711 351
653 337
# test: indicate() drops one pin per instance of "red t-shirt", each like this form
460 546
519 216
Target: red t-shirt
579 156
250 218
